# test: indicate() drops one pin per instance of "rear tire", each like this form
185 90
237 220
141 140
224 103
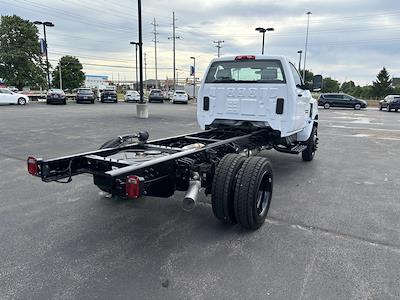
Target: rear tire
223 188
327 106
380 107
253 192
312 142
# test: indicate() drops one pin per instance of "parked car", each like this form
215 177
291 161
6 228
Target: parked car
84 95
56 96
156 96
9 97
109 96
180 96
340 100
390 102
131 95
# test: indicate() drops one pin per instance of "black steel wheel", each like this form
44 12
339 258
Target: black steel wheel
312 145
253 192
223 187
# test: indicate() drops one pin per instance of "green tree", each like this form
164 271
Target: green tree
309 76
367 92
71 73
330 85
347 86
382 85
20 58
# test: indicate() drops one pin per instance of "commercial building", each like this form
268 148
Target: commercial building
94 81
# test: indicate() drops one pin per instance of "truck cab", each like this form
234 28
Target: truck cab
265 91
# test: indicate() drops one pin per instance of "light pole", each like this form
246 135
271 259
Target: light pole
142 109
136 48
46 24
300 52
194 76
263 30
305 49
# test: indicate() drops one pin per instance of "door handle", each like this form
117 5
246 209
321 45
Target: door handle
299 95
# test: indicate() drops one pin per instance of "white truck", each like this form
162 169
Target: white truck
246 104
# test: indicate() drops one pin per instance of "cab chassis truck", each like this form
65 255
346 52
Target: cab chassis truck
240 117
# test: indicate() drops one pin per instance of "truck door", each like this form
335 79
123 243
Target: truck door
303 98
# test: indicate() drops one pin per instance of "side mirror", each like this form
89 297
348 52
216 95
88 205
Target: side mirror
317 83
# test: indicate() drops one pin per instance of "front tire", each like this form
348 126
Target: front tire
223 188
253 192
388 108
327 106
357 106
21 101
312 143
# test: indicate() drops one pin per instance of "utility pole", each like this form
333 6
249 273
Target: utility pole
136 60
219 42
145 72
174 38
155 48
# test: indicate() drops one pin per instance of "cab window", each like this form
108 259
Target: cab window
296 76
246 71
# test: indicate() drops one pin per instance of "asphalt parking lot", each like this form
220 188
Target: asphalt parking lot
333 229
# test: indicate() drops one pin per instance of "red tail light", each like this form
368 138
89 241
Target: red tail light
33 168
132 186
244 57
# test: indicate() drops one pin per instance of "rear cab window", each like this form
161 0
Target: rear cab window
246 71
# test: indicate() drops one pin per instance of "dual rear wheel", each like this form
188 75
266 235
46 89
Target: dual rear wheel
242 190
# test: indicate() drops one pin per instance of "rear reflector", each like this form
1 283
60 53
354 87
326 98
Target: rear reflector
132 186
32 166
244 57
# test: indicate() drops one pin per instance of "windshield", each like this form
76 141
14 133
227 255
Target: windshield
58 91
246 71
155 91
85 91
180 93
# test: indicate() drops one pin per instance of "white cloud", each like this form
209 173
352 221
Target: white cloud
348 39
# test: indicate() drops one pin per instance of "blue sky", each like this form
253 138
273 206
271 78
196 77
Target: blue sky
348 39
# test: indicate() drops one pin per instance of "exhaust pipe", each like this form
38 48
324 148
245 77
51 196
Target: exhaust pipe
190 200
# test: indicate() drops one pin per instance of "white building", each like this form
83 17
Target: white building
93 81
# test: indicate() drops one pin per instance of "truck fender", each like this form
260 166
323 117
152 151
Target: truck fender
303 135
